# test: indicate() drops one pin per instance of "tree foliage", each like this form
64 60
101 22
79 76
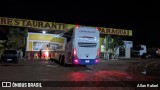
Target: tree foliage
116 42
1 48
113 43
16 38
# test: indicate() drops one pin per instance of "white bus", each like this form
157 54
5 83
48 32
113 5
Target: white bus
81 46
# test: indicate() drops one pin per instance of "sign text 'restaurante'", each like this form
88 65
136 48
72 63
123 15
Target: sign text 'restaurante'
57 26
32 23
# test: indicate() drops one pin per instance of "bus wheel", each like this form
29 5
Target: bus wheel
59 59
63 61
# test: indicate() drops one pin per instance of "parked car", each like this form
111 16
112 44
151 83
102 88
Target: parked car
10 56
149 55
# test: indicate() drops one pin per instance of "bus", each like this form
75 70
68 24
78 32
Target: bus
81 46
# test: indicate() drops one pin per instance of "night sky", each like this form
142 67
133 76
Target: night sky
142 17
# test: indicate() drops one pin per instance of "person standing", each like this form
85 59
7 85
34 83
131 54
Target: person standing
21 55
40 53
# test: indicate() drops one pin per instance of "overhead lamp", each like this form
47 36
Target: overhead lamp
44 32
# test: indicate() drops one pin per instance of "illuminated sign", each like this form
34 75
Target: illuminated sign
34 24
114 31
56 26
36 41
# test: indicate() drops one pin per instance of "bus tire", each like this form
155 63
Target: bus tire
59 59
63 61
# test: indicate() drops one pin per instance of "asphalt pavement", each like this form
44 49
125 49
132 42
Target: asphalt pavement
107 70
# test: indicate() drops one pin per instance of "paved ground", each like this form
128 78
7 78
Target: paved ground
106 70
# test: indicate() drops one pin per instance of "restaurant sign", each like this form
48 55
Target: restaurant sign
56 26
